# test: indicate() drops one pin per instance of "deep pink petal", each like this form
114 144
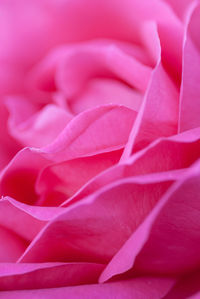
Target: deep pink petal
138 288
185 146
167 241
95 228
17 180
24 220
47 275
186 287
60 181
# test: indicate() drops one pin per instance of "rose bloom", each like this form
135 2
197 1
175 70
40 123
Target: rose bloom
99 149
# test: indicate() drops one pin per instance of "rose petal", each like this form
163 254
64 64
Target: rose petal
158 116
47 275
42 128
190 92
185 146
102 129
24 220
106 91
167 241
62 180
17 180
8 146
98 59
138 288
180 7
186 287
95 228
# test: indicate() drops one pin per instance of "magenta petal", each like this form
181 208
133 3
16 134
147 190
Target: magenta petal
186 287
47 275
138 288
24 220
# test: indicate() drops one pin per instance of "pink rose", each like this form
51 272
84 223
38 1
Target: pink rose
100 149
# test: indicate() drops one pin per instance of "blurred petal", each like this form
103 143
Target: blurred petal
103 129
186 287
190 93
41 128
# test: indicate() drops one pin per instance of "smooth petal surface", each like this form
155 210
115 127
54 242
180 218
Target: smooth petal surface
186 287
185 146
24 220
167 241
47 275
180 7
190 93
18 179
138 288
19 224
105 128
42 127
158 116
62 180
8 146
94 229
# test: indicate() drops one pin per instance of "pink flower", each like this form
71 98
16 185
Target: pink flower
100 149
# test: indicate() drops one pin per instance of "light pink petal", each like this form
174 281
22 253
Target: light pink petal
42 128
106 91
190 92
185 146
95 228
180 7
167 241
47 275
44 75
62 180
99 59
50 23
138 288
102 129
